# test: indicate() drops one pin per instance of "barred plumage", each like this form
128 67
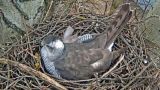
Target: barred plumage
85 38
82 61
48 64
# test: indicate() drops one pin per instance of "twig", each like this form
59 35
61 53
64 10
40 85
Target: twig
120 59
136 76
49 9
29 70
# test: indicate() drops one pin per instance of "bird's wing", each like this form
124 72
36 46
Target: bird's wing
83 63
68 32
68 36
76 64
107 59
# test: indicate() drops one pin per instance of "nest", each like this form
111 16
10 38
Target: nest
135 71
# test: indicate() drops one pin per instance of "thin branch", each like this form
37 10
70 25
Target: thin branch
120 59
31 71
136 76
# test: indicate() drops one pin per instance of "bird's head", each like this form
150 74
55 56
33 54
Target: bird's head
52 47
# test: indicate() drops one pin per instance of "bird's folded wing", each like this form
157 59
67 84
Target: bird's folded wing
108 58
77 63
68 36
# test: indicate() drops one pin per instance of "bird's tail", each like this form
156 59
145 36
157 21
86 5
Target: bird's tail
122 17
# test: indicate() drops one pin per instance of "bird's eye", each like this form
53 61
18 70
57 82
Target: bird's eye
49 47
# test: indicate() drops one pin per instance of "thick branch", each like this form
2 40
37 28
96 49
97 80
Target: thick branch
31 71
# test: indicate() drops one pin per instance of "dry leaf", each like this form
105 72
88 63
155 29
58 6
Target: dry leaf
37 59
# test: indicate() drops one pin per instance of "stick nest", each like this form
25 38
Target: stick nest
136 71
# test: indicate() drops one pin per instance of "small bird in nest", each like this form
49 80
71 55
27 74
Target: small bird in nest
81 57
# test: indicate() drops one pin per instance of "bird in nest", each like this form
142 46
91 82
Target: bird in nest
77 58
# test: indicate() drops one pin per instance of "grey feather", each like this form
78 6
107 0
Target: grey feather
48 64
85 38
